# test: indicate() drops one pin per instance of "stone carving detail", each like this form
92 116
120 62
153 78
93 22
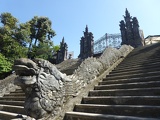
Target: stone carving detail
43 85
47 89
86 44
62 53
92 67
130 32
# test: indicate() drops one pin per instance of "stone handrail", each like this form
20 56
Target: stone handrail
91 67
89 73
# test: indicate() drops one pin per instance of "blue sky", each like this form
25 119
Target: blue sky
69 17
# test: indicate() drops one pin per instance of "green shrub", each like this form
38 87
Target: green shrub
5 65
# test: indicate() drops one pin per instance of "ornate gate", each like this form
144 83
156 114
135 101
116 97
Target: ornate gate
108 40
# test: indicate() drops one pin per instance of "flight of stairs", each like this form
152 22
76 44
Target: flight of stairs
130 92
69 66
11 105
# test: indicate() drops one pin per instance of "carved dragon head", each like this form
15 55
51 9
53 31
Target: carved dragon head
43 86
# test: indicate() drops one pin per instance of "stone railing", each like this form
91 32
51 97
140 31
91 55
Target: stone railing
7 85
89 73
91 67
44 85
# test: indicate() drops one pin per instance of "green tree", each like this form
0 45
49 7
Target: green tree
56 48
5 65
22 34
10 45
44 50
32 38
8 20
41 31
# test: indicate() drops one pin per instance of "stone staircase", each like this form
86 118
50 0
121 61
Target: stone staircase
69 66
130 92
11 105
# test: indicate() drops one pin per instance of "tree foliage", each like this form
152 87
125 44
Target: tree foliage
30 39
41 32
43 50
10 45
5 65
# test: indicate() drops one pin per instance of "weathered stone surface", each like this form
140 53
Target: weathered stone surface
47 88
7 85
43 85
130 32
68 66
91 67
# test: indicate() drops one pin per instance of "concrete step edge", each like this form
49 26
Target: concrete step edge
134 75
132 67
135 70
133 89
17 103
106 97
13 106
10 114
134 83
135 78
131 106
137 62
104 116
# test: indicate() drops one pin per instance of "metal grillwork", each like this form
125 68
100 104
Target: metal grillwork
108 40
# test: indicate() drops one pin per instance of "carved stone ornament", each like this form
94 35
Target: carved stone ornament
43 85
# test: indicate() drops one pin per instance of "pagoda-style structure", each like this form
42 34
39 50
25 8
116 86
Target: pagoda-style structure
130 32
86 44
62 53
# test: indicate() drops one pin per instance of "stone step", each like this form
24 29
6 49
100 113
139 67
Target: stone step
145 55
8 115
154 63
154 73
18 91
126 110
142 56
14 98
15 94
140 59
127 62
17 103
126 92
123 100
148 84
12 108
96 116
135 69
136 65
130 80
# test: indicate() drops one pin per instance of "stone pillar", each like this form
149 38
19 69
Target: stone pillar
136 33
86 45
62 53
